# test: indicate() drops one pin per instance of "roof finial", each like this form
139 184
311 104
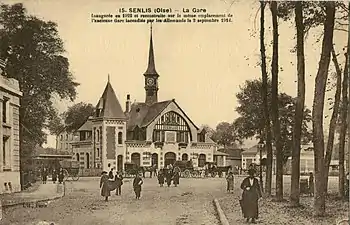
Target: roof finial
151 27
108 78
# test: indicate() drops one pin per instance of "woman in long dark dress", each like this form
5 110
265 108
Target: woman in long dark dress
176 175
44 175
137 183
161 178
60 176
119 183
54 176
105 190
168 177
250 196
311 184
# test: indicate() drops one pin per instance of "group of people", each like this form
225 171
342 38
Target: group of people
168 175
54 175
110 182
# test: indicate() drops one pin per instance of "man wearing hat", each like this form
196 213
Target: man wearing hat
250 196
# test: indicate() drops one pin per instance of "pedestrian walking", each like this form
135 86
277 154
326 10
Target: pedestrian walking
250 196
137 183
44 174
311 184
60 176
105 191
168 177
230 182
119 183
176 175
161 178
111 174
54 176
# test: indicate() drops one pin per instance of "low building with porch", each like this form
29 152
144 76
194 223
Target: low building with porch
234 156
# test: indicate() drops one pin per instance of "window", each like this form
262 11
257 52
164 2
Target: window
120 138
5 110
98 135
98 152
170 136
156 136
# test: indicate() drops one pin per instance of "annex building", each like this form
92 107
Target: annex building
10 95
146 133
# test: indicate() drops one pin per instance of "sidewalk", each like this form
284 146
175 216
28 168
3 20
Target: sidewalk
44 192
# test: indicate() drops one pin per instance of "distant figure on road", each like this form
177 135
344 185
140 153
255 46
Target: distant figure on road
44 175
105 191
311 184
168 177
250 196
60 176
137 185
111 174
119 183
230 181
54 176
176 175
161 178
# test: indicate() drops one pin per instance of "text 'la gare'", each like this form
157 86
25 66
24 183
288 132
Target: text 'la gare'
161 10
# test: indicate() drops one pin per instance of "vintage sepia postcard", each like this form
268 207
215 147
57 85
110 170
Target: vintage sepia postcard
188 112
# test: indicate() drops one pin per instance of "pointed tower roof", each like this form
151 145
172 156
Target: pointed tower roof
109 104
151 69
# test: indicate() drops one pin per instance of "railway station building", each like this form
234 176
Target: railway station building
151 132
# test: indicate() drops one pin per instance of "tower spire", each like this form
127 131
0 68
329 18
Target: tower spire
151 69
108 79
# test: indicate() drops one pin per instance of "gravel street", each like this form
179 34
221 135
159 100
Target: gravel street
189 203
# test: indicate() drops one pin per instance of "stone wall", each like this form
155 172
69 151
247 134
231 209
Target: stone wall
10 182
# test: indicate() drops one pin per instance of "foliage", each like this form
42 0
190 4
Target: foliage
226 135
77 115
39 66
251 122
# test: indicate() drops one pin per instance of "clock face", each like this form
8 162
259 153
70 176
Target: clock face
150 81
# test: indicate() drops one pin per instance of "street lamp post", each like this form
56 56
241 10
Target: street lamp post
260 148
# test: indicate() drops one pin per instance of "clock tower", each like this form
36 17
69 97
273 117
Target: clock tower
151 76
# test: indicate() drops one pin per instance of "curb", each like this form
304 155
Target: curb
57 196
222 217
31 201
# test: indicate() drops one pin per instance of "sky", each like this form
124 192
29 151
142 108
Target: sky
202 66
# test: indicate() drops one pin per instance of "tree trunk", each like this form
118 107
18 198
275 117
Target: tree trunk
317 111
343 128
274 105
265 102
333 122
299 108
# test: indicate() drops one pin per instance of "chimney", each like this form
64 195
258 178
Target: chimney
128 103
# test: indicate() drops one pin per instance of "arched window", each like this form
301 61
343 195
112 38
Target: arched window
77 157
120 138
201 160
97 135
184 157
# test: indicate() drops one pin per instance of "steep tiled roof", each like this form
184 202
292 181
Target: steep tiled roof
110 105
141 114
87 126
